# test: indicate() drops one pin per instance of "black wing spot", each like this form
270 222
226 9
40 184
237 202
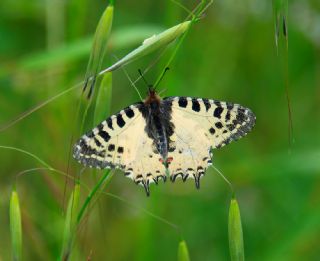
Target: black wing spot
98 143
217 112
207 104
219 125
212 130
228 116
120 121
109 122
129 112
111 147
195 105
103 134
183 102
120 149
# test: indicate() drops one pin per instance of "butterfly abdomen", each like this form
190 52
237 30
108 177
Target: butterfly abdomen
158 125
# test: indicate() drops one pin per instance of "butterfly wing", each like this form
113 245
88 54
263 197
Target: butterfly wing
202 125
121 142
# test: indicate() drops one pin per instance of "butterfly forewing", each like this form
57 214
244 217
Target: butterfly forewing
221 122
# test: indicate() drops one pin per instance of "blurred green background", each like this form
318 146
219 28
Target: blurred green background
229 55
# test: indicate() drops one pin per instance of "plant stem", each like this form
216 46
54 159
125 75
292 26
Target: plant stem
91 194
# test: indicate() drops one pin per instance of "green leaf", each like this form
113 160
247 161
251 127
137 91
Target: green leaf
15 226
183 253
235 232
70 223
151 44
103 100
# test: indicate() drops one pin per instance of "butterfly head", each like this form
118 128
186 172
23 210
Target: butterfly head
152 96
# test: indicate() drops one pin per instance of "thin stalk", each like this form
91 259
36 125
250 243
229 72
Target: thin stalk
225 179
91 194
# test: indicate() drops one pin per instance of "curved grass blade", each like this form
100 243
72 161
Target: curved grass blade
15 226
27 153
98 48
70 223
103 100
183 253
235 232
151 44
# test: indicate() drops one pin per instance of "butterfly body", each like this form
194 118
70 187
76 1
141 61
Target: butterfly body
156 138
159 126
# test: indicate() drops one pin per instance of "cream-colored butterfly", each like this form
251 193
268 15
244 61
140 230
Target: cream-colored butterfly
159 138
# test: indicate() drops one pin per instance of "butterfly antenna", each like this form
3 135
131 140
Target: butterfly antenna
130 80
164 72
144 79
132 83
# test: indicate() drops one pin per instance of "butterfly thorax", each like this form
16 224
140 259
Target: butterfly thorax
159 127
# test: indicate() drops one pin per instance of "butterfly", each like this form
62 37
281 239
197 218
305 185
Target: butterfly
159 138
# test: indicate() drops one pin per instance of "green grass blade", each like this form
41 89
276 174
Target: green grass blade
70 223
235 232
151 44
103 181
183 253
98 48
15 226
103 100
